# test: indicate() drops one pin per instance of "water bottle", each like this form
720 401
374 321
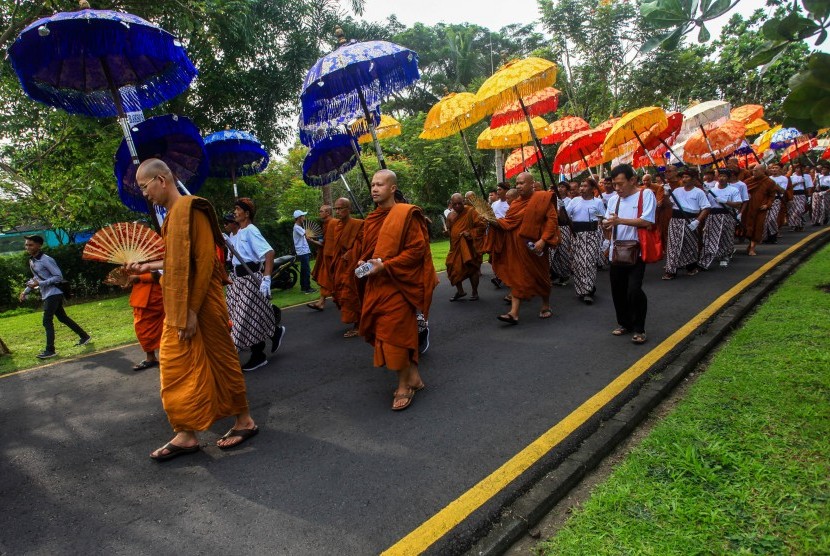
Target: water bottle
363 269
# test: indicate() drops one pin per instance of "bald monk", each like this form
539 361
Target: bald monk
399 284
148 316
201 379
533 226
464 257
322 263
762 193
348 232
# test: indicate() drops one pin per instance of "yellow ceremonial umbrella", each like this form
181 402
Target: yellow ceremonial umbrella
513 81
763 141
756 126
511 136
624 136
387 127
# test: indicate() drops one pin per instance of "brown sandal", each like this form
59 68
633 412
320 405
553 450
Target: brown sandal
408 397
351 333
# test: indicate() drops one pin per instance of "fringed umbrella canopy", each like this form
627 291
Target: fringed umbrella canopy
510 136
607 124
747 113
578 147
520 160
538 103
563 128
77 61
625 136
174 139
756 126
312 133
710 114
763 141
328 159
452 114
235 153
516 79
798 148
784 137
722 141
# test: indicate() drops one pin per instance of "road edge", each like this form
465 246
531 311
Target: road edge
528 509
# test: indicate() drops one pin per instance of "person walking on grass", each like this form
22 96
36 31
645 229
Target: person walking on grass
48 279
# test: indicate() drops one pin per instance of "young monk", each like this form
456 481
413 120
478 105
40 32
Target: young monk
322 263
464 257
347 234
399 284
201 379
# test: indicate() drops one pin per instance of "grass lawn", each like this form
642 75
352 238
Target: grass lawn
109 322
741 465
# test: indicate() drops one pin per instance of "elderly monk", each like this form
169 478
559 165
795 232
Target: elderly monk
762 193
348 232
148 316
398 285
323 262
201 379
533 226
464 257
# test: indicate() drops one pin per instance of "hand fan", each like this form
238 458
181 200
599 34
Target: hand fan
124 243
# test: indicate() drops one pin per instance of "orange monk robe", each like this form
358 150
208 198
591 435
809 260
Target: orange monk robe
464 257
201 379
399 237
344 261
323 262
762 191
532 219
663 211
148 312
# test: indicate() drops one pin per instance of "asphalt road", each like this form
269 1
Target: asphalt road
333 470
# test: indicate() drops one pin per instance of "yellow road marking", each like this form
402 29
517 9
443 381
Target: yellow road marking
459 509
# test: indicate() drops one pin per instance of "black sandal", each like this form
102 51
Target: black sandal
174 451
145 365
245 434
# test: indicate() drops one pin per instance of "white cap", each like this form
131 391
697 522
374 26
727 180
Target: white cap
298 213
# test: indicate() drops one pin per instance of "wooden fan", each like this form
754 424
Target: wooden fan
312 229
124 243
118 277
483 208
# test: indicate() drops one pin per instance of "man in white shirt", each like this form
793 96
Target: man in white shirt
821 197
585 212
772 223
802 185
690 208
622 218
501 205
303 252
719 233
709 180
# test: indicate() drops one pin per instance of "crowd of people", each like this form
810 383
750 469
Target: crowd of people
379 273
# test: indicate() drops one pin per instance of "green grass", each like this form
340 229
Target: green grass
108 321
741 465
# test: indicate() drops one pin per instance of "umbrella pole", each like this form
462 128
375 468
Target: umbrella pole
349 189
128 136
371 124
470 158
360 162
708 144
544 185
648 154
536 141
233 181
662 142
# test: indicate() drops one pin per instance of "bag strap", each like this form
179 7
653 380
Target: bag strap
617 212
640 205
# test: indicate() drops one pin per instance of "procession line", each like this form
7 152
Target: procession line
459 509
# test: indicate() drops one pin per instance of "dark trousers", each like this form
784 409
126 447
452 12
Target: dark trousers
305 271
53 307
630 300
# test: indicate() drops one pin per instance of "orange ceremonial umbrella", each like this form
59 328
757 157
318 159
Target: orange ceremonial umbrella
539 103
520 160
607 124
625 135
707 147
747 113
563 128
574 168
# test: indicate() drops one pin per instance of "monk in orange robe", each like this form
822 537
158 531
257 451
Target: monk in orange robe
398 285
148 316
348 233
464 257
201 378
322 263
534 226
762 192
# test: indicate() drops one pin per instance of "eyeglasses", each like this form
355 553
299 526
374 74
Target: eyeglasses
340 208
143 187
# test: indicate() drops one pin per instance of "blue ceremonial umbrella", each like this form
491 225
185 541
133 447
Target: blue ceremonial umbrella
784 138
235 153
353 79
329 159
174 139
311 134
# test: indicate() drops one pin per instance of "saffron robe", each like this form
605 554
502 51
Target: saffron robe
464 257
390 298
762 192
201 379
531 219
347 235
148 312
323 262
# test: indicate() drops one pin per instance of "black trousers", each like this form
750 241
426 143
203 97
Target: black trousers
630 301
53 307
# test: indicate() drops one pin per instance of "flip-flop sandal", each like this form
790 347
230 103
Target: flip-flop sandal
639 338
145 365
245 434
408 397
545 314
508 318
351 333
473 298
458 296
508 298
668 277
174 451
619 331
314 306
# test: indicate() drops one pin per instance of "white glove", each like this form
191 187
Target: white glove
606 244
265 286
693 225
666 187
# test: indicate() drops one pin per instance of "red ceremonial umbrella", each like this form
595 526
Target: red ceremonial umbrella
592 159
826 155
796 149
564 128
607 124
658 144
520 160
541 102
578 148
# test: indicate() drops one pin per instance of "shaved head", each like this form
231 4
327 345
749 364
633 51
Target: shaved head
387 175
157 183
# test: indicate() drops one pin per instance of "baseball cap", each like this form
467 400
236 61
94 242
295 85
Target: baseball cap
298 213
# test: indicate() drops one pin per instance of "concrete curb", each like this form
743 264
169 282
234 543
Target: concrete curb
529 508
